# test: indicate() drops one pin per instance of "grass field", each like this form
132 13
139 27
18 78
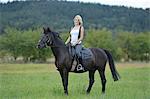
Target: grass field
42 81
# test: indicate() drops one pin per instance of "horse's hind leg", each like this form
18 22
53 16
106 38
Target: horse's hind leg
103 79
91 80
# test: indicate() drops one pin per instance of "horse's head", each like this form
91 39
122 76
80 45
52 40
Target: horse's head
46 38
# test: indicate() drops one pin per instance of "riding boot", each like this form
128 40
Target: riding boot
80 61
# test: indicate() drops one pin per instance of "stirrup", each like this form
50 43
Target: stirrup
80 67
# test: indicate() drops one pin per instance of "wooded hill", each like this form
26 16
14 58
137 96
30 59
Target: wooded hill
59 14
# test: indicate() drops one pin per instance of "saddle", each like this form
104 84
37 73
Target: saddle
86 55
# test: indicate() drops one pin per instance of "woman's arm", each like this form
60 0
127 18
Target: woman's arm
81 35
68 40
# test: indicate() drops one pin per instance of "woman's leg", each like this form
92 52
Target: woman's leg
79 57
78 49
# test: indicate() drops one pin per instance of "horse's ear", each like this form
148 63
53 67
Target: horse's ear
44 29
48 29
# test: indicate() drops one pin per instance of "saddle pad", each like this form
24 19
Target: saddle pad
86 53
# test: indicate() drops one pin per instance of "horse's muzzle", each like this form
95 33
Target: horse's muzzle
40 46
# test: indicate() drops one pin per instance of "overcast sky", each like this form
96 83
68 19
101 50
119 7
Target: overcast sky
129 3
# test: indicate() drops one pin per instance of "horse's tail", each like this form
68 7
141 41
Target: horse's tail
114 72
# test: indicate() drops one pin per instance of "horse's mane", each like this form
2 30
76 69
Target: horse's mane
56 34
57 38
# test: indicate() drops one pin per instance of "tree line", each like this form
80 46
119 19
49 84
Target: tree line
126 46
58 14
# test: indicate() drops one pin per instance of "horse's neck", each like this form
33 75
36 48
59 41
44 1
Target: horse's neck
59 49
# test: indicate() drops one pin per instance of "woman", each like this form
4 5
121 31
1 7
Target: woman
76 36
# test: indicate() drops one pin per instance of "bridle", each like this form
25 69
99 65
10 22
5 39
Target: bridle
50 42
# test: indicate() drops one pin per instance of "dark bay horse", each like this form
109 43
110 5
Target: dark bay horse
63 60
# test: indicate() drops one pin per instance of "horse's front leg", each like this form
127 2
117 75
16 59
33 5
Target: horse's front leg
64 75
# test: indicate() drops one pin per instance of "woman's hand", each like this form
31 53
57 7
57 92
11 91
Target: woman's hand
74 44
66 43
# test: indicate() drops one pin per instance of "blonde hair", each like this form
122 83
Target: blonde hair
79 19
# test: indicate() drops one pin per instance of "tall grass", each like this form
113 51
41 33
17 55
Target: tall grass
42 81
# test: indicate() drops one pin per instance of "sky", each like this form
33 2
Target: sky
129 3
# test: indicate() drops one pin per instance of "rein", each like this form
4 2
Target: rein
57 46
51 43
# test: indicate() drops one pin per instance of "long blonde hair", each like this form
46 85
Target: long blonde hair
79 18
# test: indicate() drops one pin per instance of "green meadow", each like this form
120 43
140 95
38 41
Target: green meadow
42 81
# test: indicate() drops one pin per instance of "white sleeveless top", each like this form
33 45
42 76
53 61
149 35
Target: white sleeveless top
74 36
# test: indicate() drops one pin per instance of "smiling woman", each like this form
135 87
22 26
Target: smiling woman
75 39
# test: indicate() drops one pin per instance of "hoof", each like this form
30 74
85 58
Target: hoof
66 94
87 93
103 92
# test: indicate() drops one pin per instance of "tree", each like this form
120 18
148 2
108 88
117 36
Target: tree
124 41
101 39
11 42
23 43
141 47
